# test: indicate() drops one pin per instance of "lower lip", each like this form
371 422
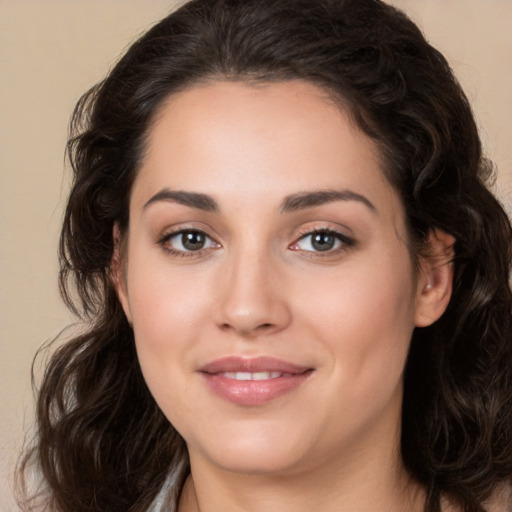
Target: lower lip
253 392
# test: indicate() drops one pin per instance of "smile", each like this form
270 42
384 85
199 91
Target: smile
254 381
254 376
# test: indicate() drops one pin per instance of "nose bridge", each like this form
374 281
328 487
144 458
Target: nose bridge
251 301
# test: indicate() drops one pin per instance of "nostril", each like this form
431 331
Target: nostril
265 327
245 330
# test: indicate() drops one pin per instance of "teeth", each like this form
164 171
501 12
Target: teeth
265 375
252 376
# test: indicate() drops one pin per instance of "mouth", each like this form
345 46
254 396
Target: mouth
253 381
254 376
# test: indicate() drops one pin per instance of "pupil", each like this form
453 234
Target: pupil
323 241
192 240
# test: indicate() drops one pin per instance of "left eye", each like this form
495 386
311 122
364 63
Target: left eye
190 241
320 241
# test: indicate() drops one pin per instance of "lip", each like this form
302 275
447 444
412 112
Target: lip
253 392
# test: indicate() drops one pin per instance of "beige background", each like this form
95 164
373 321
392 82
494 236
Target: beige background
53 50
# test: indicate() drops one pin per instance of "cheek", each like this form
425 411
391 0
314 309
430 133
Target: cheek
365 319
168 309
165 297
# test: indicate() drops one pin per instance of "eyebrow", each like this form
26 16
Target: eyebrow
303 200
192 199
291 203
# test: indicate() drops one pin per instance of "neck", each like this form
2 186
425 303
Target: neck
379 486
365 472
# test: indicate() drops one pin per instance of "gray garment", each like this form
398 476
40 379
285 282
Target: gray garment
168 497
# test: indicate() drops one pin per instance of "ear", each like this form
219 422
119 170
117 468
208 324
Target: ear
118 272
435 281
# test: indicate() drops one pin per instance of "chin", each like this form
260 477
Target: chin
260 454
258 462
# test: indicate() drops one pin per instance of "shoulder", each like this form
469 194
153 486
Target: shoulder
499 501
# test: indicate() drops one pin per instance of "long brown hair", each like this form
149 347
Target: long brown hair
102 443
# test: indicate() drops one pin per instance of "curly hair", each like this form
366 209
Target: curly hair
102 442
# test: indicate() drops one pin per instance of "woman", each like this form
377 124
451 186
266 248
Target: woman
294 277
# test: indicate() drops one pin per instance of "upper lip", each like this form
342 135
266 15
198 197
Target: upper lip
252 365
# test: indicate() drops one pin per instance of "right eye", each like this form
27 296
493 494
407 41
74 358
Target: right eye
187 241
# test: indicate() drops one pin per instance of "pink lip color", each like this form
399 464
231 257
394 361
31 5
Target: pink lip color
253 392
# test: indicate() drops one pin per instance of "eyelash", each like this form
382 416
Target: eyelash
164 242
344 241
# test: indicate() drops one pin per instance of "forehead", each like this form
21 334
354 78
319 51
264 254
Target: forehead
251 141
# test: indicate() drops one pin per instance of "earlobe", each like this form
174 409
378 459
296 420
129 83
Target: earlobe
435 281
118 272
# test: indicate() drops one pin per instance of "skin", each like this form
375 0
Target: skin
259 287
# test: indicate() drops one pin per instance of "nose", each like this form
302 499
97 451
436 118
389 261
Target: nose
252 297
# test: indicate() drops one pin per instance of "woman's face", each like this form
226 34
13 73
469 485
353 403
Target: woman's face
268 280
